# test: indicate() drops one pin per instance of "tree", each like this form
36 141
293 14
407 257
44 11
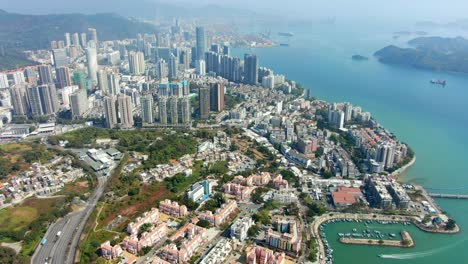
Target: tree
263 216
257 195
450 224
145 228
203 223
253 231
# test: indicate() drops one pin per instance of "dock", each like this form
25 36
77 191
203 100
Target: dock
406 242
448 196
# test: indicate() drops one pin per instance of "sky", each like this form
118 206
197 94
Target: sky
435 10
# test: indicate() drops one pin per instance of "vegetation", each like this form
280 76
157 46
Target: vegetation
262 216
7 255
231 101
28 222
451 224
214 203
203 223
312 250
431 53
290 177
145 228
253 231
15 157
257 195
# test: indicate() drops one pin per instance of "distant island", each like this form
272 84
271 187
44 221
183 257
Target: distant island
431 53
358 57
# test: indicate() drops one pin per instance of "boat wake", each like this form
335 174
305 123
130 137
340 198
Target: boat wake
422 253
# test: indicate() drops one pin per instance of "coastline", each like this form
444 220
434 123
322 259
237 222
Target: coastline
401 170
389 243
374 217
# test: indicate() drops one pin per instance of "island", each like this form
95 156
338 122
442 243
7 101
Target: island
358 57
430 53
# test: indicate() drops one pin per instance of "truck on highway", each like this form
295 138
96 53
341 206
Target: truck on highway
43 241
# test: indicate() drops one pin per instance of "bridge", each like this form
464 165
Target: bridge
448 196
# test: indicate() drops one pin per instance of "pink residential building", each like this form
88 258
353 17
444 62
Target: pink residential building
148 239
190 237
173 208
261 255
221 215
147 217
241 192
280 183
110 252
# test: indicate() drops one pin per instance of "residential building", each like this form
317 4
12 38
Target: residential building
204 102
78 103
137 62
147 109
63 77
261 255
110 111
221 215
191 237
147 218
172 208
217 97
219 253
284 234
125 110
240 227
110 252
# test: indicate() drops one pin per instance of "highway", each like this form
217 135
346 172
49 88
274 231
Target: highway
63 249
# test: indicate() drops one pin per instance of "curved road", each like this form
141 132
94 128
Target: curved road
63 249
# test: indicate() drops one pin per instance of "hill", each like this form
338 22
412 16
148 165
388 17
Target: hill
431 53
23 32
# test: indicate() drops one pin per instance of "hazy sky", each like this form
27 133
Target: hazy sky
437 10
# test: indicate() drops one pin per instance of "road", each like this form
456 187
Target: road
63 249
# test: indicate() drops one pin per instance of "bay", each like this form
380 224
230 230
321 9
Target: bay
432 119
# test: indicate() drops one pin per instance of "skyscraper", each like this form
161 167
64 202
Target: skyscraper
173 63
78 103
31 76
136 62
91 56
185 112
84 41
250 69
201 67
173 110
162 105
113 84
76 40
92 35
102 81
45 74
60 57
110 111
19 100
201 42
161 69
63 77
125 111
67 39
147 109
204 102
217 97
43 100
226 50
4 81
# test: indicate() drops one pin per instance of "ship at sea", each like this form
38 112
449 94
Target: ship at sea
284 44
285 34
439 82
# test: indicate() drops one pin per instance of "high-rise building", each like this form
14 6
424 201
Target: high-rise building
19 100
53 44
45 74
204 102
16 77
76 40
250 69
147 109
110 111
63 77
4 81
125 111
217 97
185 112
78 103
201 42
60 57
226 50
91 56
102 81
43 100
113 84
173 110
136 62
92 35
84 41
201 67
173 65
67 39
161 69
348 111
162 105
31 76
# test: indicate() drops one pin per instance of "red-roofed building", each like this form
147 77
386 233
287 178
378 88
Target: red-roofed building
346 196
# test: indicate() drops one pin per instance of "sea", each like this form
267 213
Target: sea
432 119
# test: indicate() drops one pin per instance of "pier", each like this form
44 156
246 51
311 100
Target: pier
448 196
406 242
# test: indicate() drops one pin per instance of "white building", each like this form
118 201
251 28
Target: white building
240 227
219 253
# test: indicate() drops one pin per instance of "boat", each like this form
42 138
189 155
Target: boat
439 82
284 44
380 255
